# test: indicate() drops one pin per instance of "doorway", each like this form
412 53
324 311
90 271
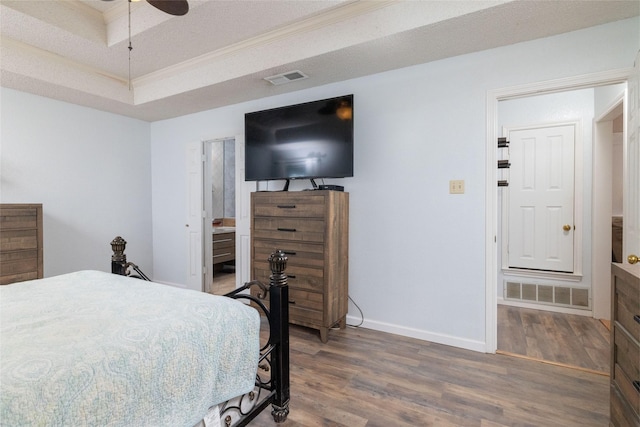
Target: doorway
537 311
219 195
493 241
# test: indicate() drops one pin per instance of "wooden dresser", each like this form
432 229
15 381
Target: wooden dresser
224 245
20 242
312 228
625 345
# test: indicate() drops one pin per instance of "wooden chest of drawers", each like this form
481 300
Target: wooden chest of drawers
312 228
20 243
625 345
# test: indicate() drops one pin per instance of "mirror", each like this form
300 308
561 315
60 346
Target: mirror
220 202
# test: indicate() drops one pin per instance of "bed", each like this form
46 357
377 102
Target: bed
94 348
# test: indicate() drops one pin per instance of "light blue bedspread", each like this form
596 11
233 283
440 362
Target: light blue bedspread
96 349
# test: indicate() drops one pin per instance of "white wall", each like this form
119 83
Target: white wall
417 253
90 170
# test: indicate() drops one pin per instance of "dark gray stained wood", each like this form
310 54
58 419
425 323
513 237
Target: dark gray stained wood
565 339
368 378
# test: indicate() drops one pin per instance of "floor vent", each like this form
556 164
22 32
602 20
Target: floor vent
559 295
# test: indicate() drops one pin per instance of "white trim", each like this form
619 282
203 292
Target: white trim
303 26
419 334
493 97
546 275
554 309
602 208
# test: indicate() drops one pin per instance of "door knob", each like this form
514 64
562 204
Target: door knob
566 227
632 259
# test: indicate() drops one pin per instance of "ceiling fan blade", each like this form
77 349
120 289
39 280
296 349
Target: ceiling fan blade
172 7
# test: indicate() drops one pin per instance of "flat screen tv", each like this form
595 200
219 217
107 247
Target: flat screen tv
303 141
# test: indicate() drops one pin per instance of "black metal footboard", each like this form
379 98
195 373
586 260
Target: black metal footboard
272 385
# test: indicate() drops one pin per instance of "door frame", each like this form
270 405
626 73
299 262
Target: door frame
602 211
491 177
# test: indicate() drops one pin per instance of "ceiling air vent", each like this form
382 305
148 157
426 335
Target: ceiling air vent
287 77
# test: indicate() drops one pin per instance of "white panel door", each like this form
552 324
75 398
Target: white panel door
631 208
195 212
243 217
541 198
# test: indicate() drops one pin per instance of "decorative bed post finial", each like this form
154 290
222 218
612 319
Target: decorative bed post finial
118 259
117 245
278 263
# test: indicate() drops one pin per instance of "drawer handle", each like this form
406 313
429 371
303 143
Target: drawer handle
286 229
292 301
291 276
636 384
287 206
290 253
226 254
637 318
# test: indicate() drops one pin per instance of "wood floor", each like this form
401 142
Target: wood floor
564 339
363 377
223 281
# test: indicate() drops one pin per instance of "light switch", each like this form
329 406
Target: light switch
456 186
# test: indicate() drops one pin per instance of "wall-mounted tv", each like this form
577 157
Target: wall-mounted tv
303 141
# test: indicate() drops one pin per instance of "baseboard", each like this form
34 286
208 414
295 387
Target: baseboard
404 331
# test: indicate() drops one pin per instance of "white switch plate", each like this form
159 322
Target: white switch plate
456 186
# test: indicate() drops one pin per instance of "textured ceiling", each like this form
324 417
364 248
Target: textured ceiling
219 53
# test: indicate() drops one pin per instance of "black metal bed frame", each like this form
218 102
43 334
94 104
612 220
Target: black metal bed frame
274 355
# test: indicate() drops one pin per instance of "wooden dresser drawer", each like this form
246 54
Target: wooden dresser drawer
621 414
20 242
305 308
627 388
224 247
307 230
628 306
19 261
305 299
626 353
290 205
302 278
12 240
12 218
298 253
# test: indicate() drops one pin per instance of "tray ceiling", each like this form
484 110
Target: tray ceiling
221 51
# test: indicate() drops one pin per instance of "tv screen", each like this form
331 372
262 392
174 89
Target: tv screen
303 141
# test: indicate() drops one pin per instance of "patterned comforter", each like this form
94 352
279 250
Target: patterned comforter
96 349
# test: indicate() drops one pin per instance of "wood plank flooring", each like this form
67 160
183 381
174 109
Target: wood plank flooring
554 337
368 378
223 281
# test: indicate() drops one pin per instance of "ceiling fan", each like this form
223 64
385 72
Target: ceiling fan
172 7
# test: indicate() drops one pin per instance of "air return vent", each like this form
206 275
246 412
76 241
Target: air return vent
287 77
558 295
